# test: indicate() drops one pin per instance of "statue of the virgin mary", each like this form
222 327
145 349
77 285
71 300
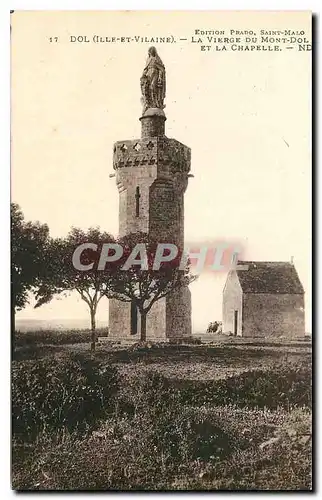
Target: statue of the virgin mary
153 81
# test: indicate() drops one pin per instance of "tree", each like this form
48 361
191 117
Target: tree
144 287
63 277
29 241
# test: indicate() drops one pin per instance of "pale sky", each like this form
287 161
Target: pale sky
245 115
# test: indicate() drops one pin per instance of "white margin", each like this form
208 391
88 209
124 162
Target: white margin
5 6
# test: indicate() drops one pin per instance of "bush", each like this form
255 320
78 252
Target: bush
173 430
281 387
56 337
185 340
283 462
158 433
153 441
71 392
194 451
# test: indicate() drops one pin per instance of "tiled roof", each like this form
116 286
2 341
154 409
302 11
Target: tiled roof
269 277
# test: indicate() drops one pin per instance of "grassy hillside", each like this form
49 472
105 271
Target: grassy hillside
162 417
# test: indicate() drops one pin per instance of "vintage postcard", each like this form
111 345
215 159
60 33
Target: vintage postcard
161 166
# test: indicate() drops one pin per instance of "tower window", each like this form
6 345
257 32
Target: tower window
137 201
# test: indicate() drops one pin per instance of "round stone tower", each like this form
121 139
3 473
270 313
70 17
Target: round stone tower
151 177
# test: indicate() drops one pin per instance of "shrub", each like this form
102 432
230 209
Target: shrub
185 340
284 462
34 352
155 442
241 433
71 392
212 452
56 337
283 386
173 430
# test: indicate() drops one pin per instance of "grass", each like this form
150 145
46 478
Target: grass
40 343
175 418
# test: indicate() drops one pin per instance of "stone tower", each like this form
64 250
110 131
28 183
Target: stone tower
151 177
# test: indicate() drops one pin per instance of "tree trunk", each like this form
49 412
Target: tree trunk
143 325
93 329
13 319
13 328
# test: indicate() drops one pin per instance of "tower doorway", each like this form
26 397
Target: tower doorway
134 318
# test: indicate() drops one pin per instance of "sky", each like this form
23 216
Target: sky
245 115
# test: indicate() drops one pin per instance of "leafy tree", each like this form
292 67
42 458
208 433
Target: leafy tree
63 277
29 241
144 287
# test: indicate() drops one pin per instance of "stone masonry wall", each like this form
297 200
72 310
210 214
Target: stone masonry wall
232 301
119 319
178 313
131 178
159 167
273 315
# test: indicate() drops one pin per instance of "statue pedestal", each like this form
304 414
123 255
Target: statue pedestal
153 123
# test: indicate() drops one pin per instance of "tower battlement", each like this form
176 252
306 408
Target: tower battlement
159 151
